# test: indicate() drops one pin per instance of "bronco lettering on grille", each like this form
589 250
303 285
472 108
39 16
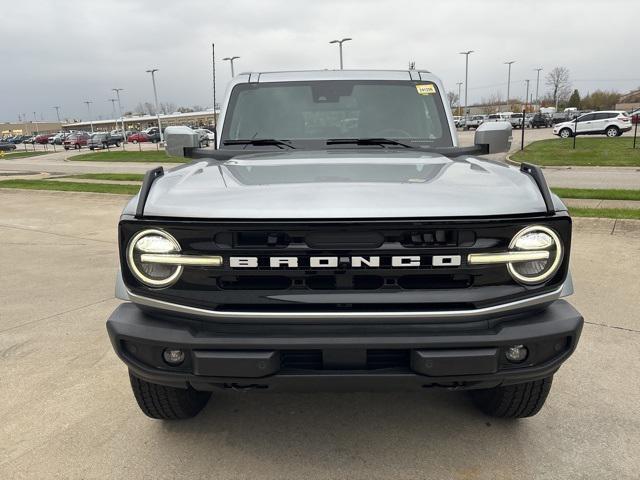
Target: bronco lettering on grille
396 261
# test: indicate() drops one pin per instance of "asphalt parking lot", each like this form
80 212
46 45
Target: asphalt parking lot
67 410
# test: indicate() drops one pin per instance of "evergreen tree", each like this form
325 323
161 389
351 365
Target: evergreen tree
574 99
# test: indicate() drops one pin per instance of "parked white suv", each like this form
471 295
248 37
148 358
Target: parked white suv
612 123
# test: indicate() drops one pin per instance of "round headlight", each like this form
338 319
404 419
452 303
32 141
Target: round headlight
535 238
153 242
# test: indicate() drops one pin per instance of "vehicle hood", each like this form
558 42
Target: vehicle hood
342 185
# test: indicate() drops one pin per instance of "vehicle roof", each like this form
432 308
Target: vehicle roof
302 75
602 111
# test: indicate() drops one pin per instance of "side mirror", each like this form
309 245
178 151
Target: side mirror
494 137
177 139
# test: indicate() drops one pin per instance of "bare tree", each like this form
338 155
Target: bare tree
492 103
600 100
560 85
149 108
453 98
167 107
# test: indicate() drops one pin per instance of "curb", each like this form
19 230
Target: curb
511 162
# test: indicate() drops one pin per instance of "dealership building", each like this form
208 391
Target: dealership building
28 128
204 118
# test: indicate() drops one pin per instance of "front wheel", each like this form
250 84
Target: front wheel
513 401
565 133
167 403
77 146
134 142
612 132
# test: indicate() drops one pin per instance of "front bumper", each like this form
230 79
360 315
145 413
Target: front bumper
344 357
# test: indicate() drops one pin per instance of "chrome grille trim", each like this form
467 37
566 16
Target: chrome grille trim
345 317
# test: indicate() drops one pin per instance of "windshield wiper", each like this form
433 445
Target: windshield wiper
259 142
368 141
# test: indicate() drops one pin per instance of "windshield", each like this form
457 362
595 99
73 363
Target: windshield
309 113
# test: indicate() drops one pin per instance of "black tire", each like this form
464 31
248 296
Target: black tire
513 401
167 403
567 133
77 146
91 148
66 148
117 144
612 131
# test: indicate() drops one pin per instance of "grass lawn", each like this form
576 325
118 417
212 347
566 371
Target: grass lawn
632 213
600 194
118 177
70 186
589 151
155 156
23 154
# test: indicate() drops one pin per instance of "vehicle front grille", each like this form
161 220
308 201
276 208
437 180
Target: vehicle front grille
344 287
376 359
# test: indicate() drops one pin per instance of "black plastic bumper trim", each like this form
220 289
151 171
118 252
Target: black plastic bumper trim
130 324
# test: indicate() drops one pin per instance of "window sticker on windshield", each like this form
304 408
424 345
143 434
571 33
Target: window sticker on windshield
426 89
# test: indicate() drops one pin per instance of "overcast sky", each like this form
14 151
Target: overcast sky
66 51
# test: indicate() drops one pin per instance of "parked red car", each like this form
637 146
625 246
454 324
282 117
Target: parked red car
76 140
138 137
42 139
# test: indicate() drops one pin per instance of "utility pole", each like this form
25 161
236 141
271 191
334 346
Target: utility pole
88 103
537 84
153 71
459 87
230 60
466 81
340 42
124 133
35 118
58 113
526 97
113 109
509 81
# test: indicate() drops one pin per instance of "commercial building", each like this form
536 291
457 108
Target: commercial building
28 128
140 122
629 102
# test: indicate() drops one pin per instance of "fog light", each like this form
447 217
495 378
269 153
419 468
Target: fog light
516 353
173 357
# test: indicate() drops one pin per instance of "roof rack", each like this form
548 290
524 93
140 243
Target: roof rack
147 183
536 173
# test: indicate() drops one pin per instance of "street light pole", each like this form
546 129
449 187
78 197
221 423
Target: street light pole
466 81
230 60
124 134
340 42
459 87
153 71
113 108
509 80
35 118
526 97
537 85
57 107
88 103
